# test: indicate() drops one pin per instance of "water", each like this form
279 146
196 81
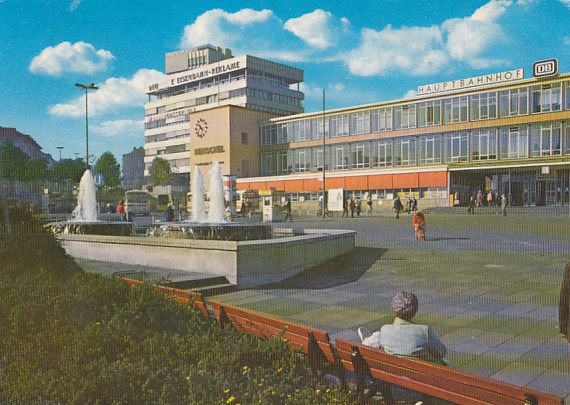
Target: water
198 209
217 202
86 209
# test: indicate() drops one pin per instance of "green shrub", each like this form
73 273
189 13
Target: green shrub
69 337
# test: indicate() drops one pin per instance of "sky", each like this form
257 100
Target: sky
359 52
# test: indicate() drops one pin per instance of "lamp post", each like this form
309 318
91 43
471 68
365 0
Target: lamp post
86 88
60 148
324 159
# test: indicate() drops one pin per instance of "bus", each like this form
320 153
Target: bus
245 198
139 203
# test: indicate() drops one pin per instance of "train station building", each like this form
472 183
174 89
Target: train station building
502 133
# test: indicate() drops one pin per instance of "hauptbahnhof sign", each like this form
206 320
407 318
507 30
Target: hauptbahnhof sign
461 84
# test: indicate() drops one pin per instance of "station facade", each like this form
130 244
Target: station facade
499 134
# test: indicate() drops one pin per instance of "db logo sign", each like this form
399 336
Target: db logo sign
545 68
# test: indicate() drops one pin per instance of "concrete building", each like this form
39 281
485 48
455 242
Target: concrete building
212 98
25 143
132 168
500 133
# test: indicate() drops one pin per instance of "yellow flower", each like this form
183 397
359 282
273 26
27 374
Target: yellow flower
230 400
227 390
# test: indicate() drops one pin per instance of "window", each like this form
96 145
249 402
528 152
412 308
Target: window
567 93
340 157
360 122
484 144
302 160
455 110
455 147
546 98
513 142
546 140
429 113
381 120
513 102
429 149
267 164
283 162
360 155
381 153
339 125
405 151
244 138
483 106
405 116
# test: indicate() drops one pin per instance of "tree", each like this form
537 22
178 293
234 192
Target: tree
107 166
68 169
160 173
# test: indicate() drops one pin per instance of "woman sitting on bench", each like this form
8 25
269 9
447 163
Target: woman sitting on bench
405 338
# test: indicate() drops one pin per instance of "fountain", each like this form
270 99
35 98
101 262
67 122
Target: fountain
84 217
211 225
202 250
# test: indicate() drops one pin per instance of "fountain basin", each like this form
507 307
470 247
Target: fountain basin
213 231
109 228
246 264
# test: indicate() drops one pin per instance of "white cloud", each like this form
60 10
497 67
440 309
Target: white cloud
468 38
315 29
119 128
74 4
66 57
221 28
429 50
410 94
567 40
414 50
116 93
566 2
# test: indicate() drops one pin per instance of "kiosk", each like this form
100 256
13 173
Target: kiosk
272 205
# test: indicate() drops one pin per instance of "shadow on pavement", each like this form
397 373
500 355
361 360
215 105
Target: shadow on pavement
341 270
447 238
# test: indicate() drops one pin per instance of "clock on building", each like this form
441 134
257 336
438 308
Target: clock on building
201 128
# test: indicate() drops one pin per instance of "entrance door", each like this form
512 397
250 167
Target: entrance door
540 193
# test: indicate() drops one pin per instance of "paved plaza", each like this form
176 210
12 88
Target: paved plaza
489 285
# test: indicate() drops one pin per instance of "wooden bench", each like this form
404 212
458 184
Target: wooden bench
181 296
434 380
564 304
314 343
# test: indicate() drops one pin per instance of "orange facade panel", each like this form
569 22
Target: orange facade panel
380 182
312 185
356 183
335 182
406 180
433 179
278 185
293 186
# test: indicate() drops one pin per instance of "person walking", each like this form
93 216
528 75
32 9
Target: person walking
419 222
471 206
504 203
369 207
358 204
479 198
169 213
352 206
345 208
288 212
398 207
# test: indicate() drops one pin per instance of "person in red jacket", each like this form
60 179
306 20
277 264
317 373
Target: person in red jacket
120 207
419 222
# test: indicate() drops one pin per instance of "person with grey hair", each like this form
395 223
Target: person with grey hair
405 338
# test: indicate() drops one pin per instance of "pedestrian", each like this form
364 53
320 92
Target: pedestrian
398 207
358 204
248 208
479 198
419 222
471 205
504 203
345 208
169 214
407 206
352 206
288 212
489 198
369 207
121 207
414 204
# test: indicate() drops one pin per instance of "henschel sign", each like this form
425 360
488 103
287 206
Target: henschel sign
471 82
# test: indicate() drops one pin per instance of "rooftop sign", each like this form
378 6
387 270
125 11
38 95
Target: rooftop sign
461 84
545 68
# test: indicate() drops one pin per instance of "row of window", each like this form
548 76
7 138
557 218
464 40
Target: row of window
481 106
524 141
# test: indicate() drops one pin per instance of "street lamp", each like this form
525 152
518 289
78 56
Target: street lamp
324 159
86 88
60 148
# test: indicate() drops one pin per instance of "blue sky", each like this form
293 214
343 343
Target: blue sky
359 52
